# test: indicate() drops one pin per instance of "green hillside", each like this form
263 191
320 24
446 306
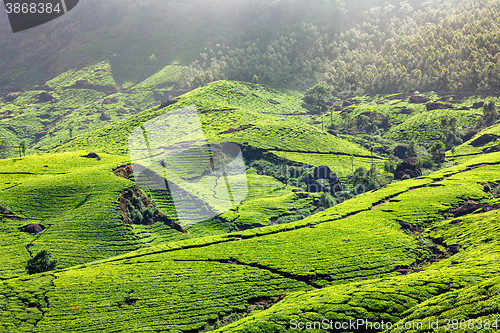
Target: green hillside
283 255
392 254
76 102
252 167
232 112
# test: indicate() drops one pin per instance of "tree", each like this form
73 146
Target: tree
161 93
346 116
437 151
490 112
22 149
40 263
318 95
4 148
390 166
365 180
411 152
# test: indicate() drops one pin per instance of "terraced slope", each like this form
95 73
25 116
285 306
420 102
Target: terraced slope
462 286
485 141
228 117
73 198
75 102
382 255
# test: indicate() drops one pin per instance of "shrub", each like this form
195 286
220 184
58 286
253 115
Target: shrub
137 203
137 217
290 218
425 162
4 209
147 217
40 263
373 173
390 166
437 151
479 122
490 112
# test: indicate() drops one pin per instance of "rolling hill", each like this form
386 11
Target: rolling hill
393 255
284 255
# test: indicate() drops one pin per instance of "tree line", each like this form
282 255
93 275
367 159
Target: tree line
446 45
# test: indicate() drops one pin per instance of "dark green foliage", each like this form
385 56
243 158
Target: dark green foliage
490 112
140 208
4 208
442 46
4 148
318 95
22 148
355 255
411 152
137 217
137 203
148 215
41 263
390 166
438 152
425 162
365 180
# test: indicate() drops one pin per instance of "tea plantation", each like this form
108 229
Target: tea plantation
351 261
420 249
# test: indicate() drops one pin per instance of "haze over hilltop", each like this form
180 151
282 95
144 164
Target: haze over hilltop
128 33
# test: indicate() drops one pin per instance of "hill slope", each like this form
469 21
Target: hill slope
441 256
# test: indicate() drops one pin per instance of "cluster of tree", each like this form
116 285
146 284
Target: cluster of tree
4 148
4 208
40 263
364 180
490 114
448 45
139 208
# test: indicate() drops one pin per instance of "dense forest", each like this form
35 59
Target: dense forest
444 46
